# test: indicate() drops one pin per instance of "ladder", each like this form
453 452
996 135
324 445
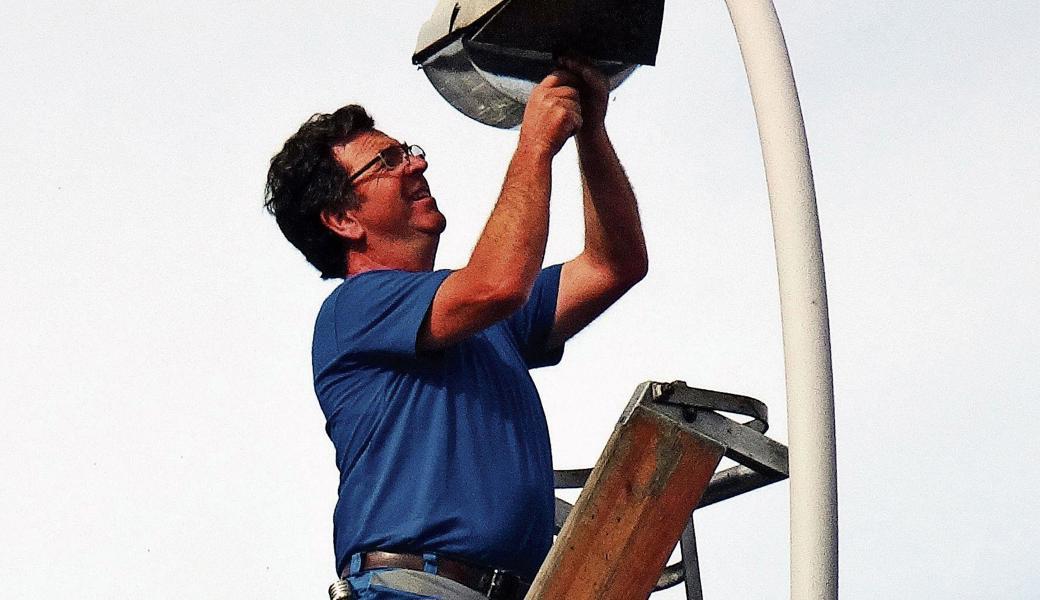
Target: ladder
638 501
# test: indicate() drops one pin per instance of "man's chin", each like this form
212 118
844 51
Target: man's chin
432 224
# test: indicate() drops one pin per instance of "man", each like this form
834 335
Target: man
446 486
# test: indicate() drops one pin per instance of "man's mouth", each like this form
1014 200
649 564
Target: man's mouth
419 194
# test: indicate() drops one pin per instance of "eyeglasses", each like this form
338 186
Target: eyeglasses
391 158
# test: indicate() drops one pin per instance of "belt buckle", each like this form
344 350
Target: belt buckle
497 585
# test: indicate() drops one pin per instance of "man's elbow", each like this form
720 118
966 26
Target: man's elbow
640 270
632 271
493 294
505 296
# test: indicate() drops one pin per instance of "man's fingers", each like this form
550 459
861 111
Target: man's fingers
565 92
559 93
593 86
576 122
584 68
560 77
554 111
569 105
572 117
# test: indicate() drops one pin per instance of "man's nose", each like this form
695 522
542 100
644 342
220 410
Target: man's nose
415 164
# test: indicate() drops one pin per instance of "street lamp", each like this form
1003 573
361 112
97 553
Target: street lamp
485 56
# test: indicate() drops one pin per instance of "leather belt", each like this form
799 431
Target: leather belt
492 583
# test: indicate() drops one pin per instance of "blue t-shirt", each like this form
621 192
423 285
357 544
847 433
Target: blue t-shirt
445 452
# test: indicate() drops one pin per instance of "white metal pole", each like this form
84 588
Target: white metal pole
803 300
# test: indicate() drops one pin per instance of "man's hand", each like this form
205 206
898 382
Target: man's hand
553 113
594 91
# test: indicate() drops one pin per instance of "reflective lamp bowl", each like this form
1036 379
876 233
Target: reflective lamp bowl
486 56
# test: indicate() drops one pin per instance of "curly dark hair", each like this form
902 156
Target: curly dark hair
305 180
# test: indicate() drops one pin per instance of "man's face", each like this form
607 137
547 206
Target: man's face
394 204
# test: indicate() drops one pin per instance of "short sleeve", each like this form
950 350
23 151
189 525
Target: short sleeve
533 323
380 312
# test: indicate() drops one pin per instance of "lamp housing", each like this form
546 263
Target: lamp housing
486 56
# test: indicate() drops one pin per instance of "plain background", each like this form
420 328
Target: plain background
160 434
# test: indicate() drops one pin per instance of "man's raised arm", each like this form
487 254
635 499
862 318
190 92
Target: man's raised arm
508 256
614 258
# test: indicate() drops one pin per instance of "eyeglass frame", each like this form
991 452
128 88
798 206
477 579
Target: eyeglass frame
409 151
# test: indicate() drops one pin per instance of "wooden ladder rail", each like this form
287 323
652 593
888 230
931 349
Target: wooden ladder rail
655 469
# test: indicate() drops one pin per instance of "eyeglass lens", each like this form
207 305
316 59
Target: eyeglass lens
393 157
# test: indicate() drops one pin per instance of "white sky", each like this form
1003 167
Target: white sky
161 438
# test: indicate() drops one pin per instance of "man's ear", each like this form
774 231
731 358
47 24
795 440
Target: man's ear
344 224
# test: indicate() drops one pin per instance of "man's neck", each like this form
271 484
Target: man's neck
404 259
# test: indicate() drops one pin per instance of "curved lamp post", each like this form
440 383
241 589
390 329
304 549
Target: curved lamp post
803 300
488 84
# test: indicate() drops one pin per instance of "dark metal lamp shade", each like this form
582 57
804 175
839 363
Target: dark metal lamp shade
485 56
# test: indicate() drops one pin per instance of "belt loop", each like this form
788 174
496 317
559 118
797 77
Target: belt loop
429 563
355 563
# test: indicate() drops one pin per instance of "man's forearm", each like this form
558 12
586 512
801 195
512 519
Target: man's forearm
613 232
512 246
